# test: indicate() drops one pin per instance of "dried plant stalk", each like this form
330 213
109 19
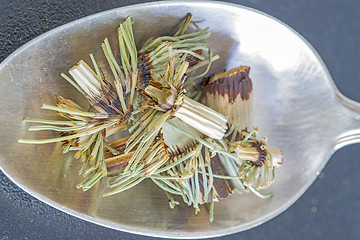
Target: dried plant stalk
230 92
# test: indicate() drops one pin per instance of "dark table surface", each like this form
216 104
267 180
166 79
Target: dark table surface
330 209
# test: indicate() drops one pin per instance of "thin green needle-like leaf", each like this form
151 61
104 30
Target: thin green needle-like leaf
59 139
91 181
54 128
122 179
53 122
72 83
134 79
188 35
188 191
225 177
89 142
248 136
123 53
136 141
211 180
203 63
228 154
139 153
188 39
120 93
197 186
180 160
64 110
189 52
129 41
259 194
81 171
164 187
205 184
184 26
170 184
89 170
112 150
95 151
176 177
66 149
159 51
211 212
108 58
97 70
151 43
111 55
123 188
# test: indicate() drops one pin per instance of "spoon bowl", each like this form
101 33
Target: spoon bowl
296 105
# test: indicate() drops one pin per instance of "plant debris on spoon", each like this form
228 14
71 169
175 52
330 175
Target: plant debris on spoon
201 151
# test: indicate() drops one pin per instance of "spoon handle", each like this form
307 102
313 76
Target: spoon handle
350 120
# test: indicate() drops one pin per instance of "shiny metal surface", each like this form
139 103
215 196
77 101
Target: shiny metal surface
295 104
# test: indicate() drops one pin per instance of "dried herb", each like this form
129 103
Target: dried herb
185 147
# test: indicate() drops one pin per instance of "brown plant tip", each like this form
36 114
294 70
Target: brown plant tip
192 60
107 102
232 83
262 154
66 142
176 152
144 74
126 116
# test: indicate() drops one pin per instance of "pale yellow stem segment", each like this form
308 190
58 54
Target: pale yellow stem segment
202 118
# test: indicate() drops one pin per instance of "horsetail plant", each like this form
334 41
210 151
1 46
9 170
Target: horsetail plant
198 152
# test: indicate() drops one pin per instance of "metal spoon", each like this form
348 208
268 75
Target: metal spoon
296 105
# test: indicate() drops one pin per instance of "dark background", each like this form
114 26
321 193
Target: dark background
330 209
